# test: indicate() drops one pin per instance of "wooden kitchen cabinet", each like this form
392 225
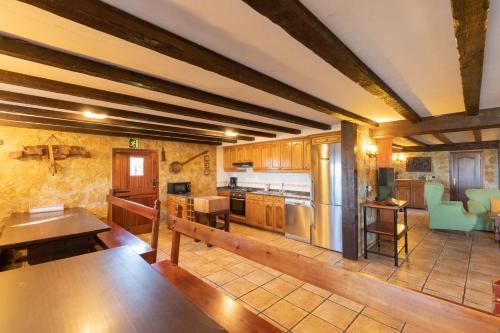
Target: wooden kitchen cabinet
412 191
266 211
185 203
289 155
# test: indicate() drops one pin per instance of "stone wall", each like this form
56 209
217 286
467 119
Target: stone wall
441 169
84 182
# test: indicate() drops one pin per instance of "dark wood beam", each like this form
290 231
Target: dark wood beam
24 50
81 91
477 135
455 146
46 124
443 138
398 147
348 146
415 141
456 122
470 19
113 21
301 24
112 112
113 124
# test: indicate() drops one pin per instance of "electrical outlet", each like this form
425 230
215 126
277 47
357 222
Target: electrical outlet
368 189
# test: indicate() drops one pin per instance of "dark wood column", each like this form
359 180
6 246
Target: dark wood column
349 133
498 162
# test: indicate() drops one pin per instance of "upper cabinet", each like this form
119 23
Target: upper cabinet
291 155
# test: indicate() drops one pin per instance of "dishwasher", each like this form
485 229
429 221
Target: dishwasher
298 219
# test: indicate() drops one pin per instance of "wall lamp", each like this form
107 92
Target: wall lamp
371 150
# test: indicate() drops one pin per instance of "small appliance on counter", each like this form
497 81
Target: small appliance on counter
233 182
178 188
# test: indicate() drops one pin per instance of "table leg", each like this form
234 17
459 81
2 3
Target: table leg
365 233
226 222
396 237
406 230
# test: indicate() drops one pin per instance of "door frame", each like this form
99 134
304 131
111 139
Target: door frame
451 159
143 151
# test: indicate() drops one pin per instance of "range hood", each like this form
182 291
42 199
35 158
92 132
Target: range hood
243 165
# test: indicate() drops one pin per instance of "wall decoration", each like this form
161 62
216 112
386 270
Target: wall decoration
176 166
419 164
50 151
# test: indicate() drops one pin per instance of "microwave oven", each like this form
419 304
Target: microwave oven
178 188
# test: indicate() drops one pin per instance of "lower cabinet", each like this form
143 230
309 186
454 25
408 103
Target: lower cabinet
411 191
265 211
185 204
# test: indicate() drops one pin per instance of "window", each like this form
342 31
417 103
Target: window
137 166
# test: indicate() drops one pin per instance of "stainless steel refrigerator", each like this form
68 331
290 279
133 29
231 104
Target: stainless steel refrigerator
326 196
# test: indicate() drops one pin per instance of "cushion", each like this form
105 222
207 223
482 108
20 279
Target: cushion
495 205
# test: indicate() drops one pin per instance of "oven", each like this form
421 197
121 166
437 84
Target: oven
237 203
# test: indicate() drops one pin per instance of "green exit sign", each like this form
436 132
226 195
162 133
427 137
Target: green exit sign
133 143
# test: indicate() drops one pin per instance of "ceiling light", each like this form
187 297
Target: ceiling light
231 133
93 115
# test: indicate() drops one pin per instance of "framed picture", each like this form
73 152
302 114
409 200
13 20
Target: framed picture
419 164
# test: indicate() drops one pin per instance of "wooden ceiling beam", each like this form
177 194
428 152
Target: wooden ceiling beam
117 123
477 136
47 124
103 17
32 52
398 147
455 146
293 17
415 141
456 122
443 138
470 19
112 112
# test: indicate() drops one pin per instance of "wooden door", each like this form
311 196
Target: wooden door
307 154
256 157
403 190
250 211
134 178
275 155
266 156
260 213
297 154
269 213
279 214
417 194
285 155
466 171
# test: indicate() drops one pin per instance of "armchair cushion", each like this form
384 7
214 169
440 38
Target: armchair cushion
480 204
495 205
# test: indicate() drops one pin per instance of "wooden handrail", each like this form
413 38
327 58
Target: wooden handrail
423 310
151 213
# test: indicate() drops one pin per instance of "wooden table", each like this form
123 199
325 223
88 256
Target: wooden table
394 230
106 291
52 235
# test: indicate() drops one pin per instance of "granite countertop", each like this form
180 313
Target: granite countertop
259 191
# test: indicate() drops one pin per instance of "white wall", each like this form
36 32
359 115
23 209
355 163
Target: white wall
249 178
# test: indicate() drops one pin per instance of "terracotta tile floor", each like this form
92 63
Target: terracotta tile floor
446 264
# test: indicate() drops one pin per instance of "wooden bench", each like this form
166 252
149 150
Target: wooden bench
426 311
118 236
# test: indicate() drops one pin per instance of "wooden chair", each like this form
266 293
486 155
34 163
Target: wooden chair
118 236
421 309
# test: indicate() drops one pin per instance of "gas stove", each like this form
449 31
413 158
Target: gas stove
240 192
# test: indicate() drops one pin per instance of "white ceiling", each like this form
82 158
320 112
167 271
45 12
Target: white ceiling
409 44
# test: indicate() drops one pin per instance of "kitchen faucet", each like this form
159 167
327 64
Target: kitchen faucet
282 187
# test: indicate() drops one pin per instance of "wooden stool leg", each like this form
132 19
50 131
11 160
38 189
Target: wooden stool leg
176 242
396 238
226 222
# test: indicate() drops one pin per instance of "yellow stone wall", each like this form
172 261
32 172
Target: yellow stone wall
84 182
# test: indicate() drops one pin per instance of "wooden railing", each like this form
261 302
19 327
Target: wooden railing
150 213
423 310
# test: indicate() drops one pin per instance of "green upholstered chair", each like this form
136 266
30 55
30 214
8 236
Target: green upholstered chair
449 215
479 204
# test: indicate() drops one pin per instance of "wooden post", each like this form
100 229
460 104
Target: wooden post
498 162
156 225
384 157
176 239
349 134
110 209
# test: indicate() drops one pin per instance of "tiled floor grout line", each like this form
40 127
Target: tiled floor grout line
434 265
359 314
468 267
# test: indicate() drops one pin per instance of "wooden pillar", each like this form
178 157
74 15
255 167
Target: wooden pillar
384 157
498 162
349 133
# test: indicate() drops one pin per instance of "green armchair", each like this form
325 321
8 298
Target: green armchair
479 204
449 215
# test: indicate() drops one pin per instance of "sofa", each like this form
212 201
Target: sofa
479 204
449 215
